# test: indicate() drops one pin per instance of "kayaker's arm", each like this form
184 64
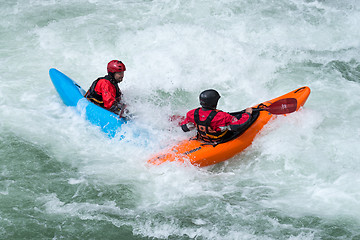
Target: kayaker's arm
233 127
188 123
118 108
240 123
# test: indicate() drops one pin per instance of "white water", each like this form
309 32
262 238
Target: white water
299 179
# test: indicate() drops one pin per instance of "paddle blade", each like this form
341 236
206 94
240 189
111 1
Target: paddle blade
283 106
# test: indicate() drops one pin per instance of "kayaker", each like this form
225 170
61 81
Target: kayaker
212 125
105 91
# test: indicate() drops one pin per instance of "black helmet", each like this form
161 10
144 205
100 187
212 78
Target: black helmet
209 98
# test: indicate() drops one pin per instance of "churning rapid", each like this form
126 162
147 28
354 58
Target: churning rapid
62 178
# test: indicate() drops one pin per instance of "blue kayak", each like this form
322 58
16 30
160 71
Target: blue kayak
73 95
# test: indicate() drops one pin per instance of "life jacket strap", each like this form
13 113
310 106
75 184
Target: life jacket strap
204 126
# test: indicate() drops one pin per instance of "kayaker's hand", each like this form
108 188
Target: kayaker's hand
116 108
224 128
188 127
249 110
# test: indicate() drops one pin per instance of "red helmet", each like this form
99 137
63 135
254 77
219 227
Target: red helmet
115 66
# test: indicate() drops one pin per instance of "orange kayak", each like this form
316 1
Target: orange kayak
203 154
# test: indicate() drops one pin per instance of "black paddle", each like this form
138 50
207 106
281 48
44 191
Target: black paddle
282 106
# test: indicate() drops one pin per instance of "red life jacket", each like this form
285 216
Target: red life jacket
205 132
96 98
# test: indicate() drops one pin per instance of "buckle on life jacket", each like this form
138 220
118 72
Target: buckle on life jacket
94 100
211 141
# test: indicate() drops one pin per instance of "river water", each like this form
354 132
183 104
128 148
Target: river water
62 178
